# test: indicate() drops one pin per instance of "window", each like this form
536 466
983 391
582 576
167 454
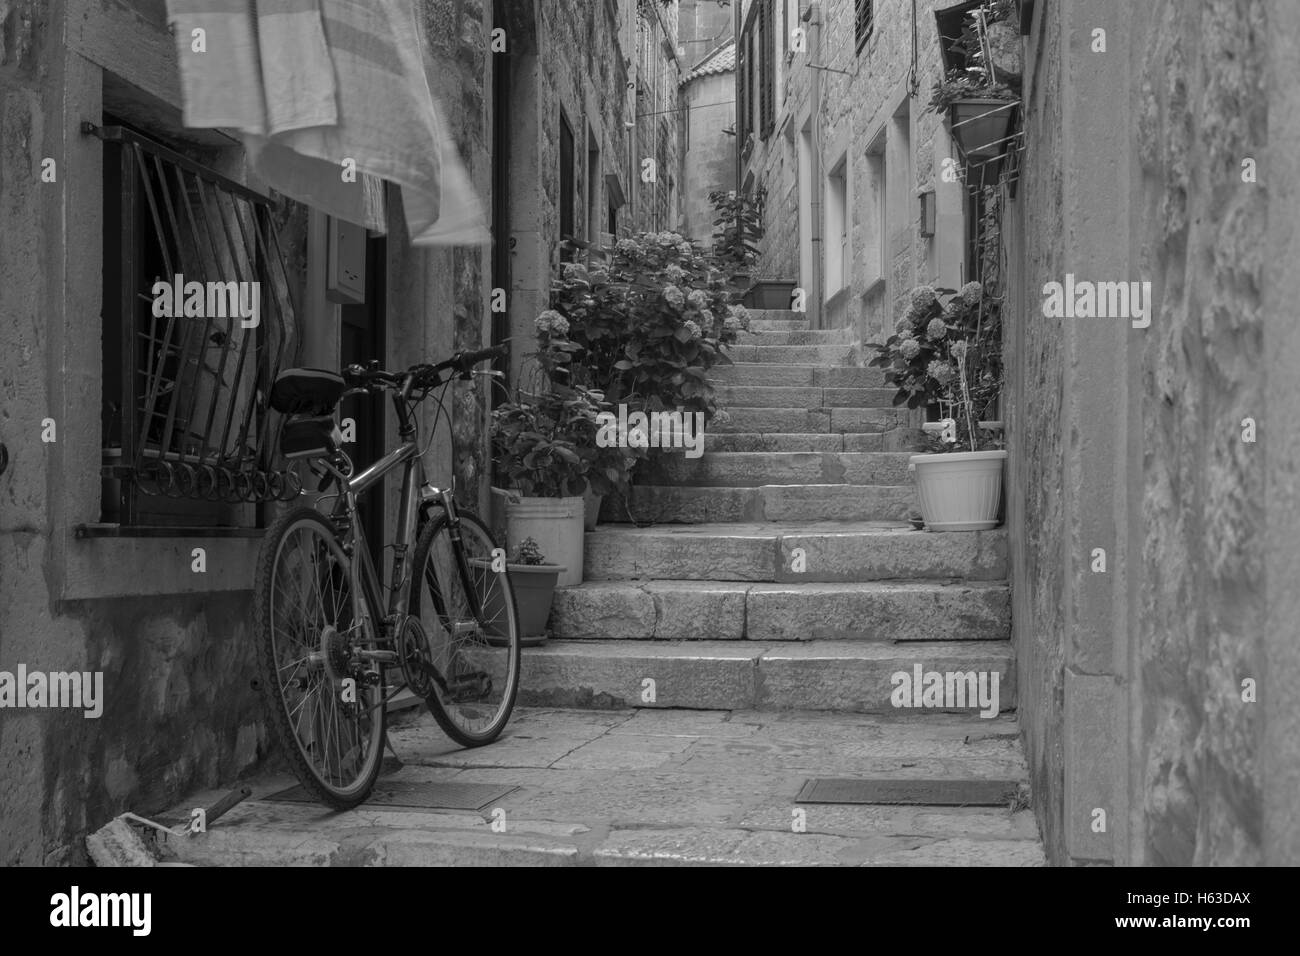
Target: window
197 322
593 187
566 178
837 227
875 212
864 21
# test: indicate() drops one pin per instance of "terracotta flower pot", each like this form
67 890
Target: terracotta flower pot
534 587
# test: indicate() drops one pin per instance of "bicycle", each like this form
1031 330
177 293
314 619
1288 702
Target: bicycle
329 642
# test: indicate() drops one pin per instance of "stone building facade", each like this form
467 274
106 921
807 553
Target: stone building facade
79 592
657 75
835 134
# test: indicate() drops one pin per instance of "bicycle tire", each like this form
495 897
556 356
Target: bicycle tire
357 788
509 642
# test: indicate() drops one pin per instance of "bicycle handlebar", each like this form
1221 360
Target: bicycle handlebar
420 376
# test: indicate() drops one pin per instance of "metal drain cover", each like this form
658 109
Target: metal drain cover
932 793
431 795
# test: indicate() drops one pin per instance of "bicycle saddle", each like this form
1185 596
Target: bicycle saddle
307 391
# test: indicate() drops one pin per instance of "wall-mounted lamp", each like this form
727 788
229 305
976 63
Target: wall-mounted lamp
927 214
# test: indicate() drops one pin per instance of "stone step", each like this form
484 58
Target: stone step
751 469
776 315
803 421
831 551
822 376
794 354
896 439
846 676
795 337
692 610
775 325
676 503
807 396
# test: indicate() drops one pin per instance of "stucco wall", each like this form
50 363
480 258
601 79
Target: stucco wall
709 162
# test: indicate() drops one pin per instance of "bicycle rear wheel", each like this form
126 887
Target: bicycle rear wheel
473 660
325 702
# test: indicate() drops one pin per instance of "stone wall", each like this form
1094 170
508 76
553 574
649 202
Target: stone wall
1130 439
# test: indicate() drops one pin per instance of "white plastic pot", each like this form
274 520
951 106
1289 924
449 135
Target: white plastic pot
960 491
557 527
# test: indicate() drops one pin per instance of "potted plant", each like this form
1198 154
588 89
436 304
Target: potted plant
642 329
738 227
534 580
980 89
948 354
538 451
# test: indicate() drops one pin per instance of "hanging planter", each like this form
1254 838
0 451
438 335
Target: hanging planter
982 127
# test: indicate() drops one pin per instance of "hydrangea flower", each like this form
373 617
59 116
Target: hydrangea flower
910 349
627 246
573 270
668 239
721 417
692 329
959 349
923 297
942 372
740 314
675 273
552 322
698 298
971 293
936 330
674 296
706 316
684 249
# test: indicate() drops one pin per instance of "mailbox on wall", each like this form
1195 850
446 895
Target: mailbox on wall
345 275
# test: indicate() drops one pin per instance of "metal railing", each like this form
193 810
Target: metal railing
186 414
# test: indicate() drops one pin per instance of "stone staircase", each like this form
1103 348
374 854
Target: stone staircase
778 574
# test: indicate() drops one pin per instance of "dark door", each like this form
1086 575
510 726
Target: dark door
361 341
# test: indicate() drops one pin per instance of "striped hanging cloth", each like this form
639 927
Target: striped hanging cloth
330 96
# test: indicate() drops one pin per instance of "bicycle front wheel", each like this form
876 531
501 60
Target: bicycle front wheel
314 630
472 659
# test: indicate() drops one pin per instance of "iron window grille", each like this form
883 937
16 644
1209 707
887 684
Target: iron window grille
863 22
767 67
187 433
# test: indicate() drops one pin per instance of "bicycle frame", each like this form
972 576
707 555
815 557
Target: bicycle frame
417 498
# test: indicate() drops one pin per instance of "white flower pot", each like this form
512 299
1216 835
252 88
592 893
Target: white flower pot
960 491
556 525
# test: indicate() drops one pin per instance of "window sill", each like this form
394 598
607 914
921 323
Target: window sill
840 296
875 285
101 566
162 531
